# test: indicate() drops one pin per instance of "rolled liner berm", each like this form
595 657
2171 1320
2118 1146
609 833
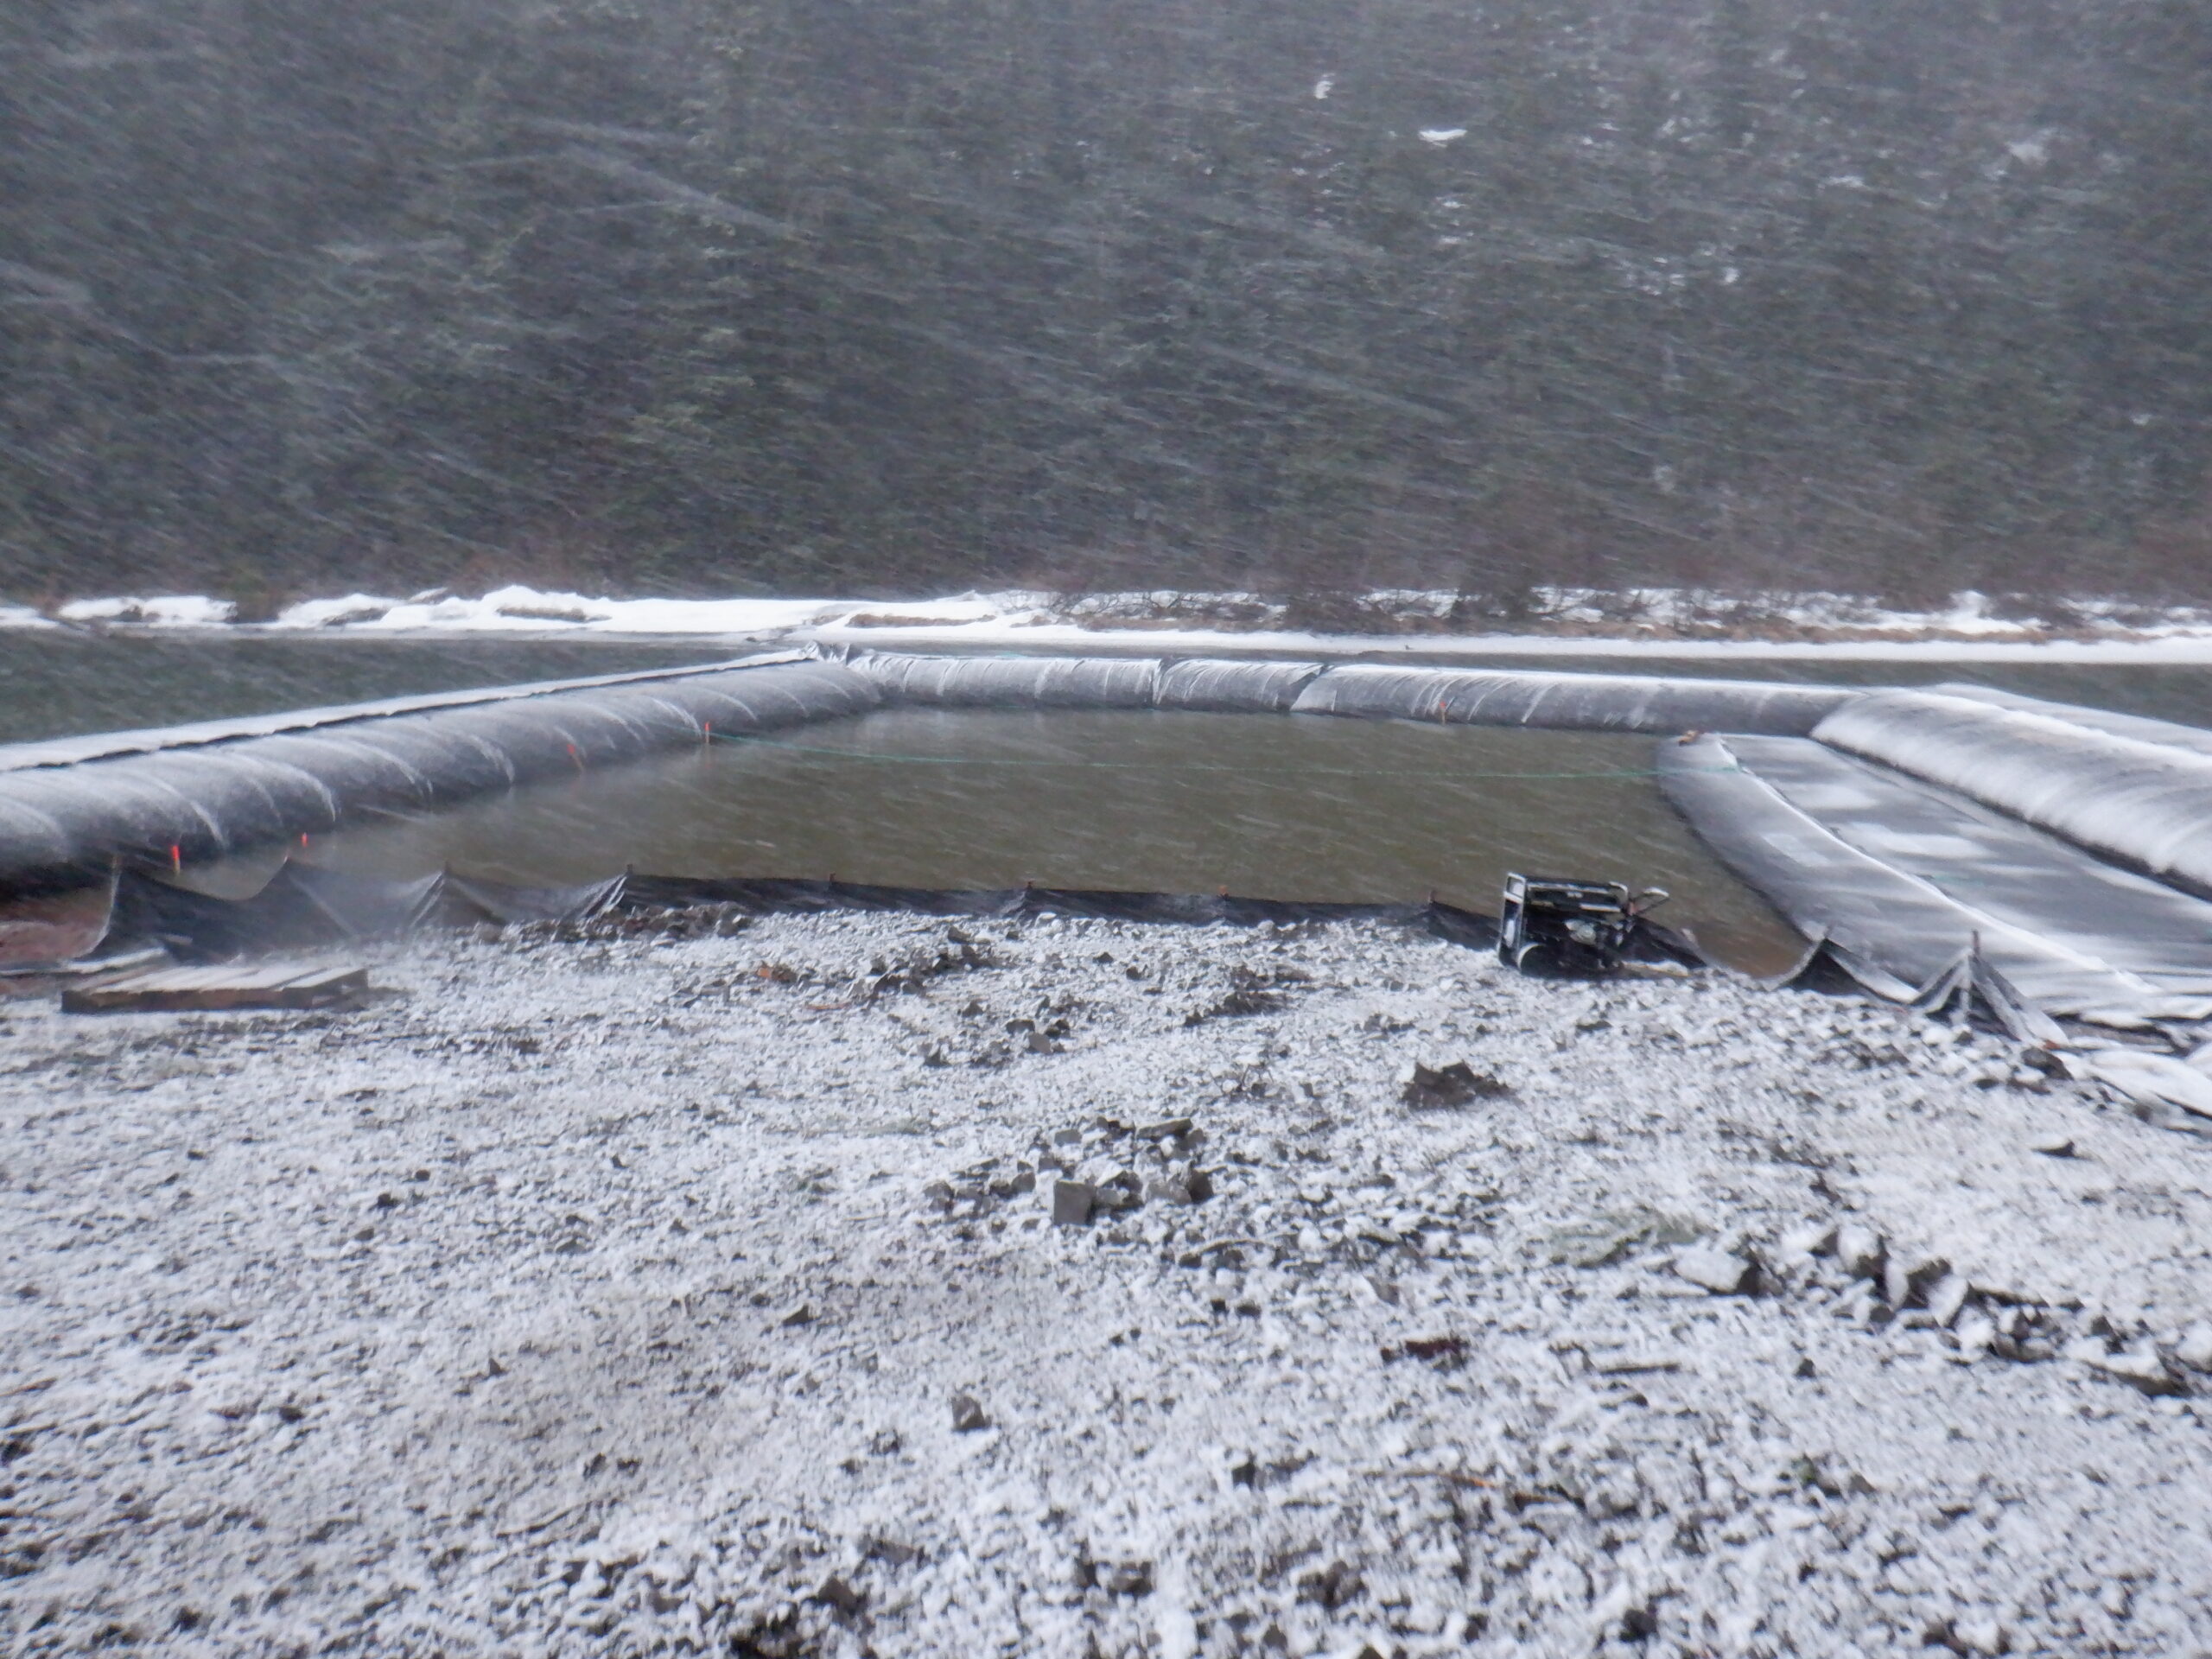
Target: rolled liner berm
71 808
1885 824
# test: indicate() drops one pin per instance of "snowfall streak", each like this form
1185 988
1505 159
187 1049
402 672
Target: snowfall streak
1957 818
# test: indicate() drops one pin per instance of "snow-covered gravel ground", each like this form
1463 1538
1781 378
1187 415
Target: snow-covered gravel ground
624 1293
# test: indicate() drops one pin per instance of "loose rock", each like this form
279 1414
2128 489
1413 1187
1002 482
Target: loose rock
1072 1202
1859 1250
1454 1084
1903 1287
1946 1296
2195 1348
1721 1272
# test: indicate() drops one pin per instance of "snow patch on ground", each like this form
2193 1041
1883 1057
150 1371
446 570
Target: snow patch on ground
517 609
640 1287
1553 621
163 610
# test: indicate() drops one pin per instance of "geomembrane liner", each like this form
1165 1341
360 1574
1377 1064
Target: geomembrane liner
1904 885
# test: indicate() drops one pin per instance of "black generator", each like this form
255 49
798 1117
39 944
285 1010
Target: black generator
1555 927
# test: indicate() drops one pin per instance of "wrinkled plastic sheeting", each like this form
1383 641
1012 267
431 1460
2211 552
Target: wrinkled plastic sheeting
1895 933
47 928
1194 683
463 899
2147 803
303 907
1234 688
1015 682
2165 1091
1597 702
1995 866
208 801
2140 726
101 746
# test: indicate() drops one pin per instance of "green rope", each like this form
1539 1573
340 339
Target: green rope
1154 766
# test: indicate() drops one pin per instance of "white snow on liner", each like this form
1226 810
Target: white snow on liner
22 616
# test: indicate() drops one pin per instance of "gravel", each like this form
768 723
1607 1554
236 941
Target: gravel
601 1292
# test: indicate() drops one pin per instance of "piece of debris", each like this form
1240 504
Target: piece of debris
1429 1088
1127 1579
1333 1587
2053 1146
1814 1238
2142 1370
2195 1348
889 1551
1977 1636
967 1414
1946 1296
1169 1189
180 991
1250 993
803 1314
1903 1287
1605 1238
837 1593
1071 1202
1722 1271
1448 1350
1859 1250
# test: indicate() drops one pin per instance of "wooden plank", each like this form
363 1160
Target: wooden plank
174 979
186 989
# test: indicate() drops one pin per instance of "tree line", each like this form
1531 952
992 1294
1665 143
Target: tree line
818 295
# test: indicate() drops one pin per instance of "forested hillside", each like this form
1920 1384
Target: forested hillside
1881 295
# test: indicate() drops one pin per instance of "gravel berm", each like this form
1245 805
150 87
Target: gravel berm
683 1284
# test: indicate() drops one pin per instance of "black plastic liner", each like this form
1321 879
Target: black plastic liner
1199 683
191 794
1783 813
1560 701
303 908
198 798
2137 791
1504 696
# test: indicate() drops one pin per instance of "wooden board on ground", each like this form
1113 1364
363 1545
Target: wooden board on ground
172 990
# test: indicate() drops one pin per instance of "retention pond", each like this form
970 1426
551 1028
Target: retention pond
1161 800
1262 806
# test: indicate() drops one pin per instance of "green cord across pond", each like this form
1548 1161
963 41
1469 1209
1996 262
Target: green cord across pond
1176 765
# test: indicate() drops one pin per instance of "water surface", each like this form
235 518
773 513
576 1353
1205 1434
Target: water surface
1262 805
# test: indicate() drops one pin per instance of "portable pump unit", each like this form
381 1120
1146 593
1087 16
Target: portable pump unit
1553 927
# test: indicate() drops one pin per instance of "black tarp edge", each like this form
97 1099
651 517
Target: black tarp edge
303 908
